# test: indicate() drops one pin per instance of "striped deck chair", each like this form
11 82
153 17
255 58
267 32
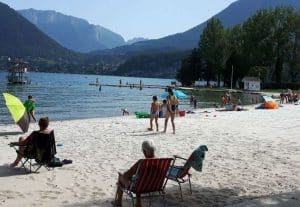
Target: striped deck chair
150 178
181 173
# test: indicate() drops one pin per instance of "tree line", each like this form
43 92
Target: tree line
267 46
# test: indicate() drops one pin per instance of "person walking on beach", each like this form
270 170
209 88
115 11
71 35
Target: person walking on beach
172 102
30 106
195 103
154 113
191 100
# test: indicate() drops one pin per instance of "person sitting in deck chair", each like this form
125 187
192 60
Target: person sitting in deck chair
124 179
43 125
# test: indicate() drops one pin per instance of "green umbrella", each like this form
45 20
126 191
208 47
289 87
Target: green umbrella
17 110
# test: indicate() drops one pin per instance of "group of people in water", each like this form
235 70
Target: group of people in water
166 110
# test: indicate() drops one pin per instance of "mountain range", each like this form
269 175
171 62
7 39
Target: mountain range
20 38
236 13
23 38
75 33
72 32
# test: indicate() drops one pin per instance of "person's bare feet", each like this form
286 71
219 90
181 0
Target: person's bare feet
116 204
14 164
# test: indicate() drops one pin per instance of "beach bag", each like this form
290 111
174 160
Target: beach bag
55 162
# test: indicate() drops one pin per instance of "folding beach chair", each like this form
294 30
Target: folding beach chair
41 149
150 178
181 173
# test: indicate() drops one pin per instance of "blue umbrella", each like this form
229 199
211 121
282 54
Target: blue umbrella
177 93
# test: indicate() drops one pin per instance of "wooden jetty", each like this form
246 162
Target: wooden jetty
139 85
135 86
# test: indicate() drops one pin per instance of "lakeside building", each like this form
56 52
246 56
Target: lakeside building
251 83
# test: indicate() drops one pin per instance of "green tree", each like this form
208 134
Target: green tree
294 54
266 45
267 36
236 61
212 49
190 68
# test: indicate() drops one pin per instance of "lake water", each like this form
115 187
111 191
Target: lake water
69 96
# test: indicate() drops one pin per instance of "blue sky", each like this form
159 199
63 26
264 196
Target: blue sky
133 18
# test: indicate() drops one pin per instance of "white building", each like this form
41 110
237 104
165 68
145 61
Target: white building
251 83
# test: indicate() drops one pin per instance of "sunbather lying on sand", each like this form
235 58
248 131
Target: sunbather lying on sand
232 107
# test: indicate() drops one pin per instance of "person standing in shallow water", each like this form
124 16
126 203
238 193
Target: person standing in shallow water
172 102
30 106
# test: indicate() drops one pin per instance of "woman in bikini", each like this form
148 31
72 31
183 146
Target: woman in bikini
172 102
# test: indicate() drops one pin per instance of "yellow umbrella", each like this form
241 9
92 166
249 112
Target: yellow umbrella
17 110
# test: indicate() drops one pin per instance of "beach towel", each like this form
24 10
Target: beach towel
140 115
196 159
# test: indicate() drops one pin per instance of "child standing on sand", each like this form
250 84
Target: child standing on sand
30 106
163 109
154 113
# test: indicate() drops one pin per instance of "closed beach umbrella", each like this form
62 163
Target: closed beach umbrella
17 110
177 93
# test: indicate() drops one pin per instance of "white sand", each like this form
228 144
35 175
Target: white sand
253 160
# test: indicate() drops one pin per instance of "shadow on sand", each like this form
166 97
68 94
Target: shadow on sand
7 171
3 134
207 197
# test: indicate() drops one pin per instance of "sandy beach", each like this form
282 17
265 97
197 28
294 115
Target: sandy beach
253 160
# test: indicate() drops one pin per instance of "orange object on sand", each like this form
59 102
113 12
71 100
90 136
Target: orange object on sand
271 105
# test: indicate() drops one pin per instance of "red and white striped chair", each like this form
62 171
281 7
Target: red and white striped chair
150 178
